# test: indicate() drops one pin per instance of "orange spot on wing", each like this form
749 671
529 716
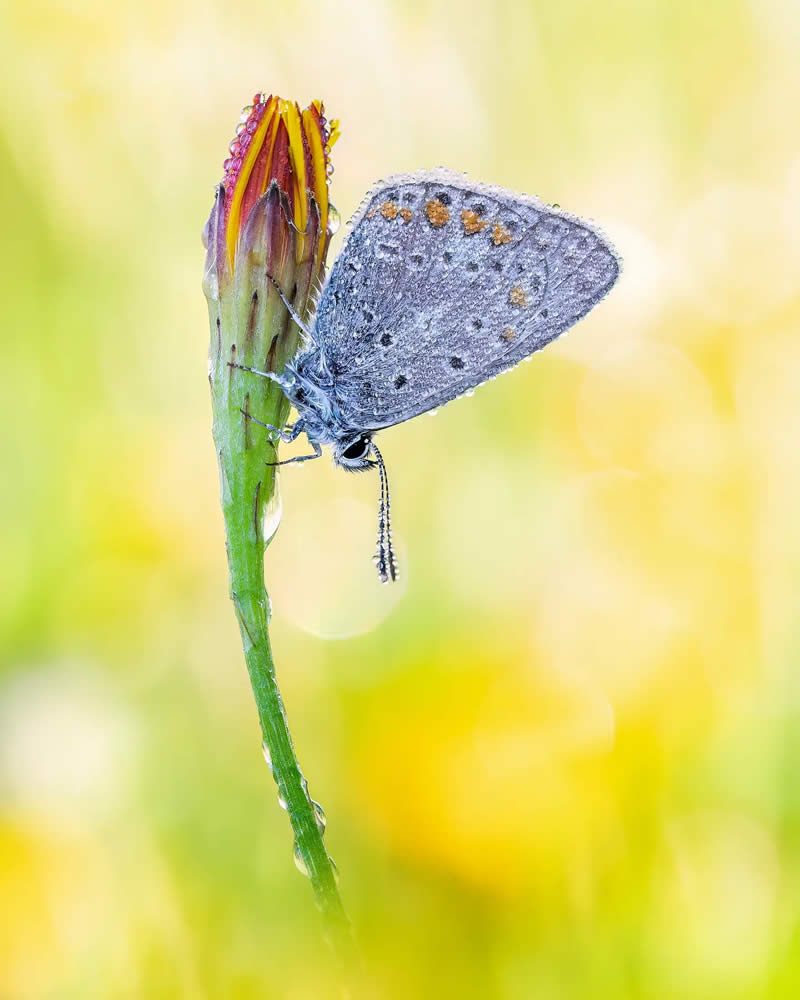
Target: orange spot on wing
518 296
508 334
500 234
472 222
389 210
437 212
406 214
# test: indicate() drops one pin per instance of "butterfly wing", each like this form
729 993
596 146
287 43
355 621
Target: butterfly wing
444 282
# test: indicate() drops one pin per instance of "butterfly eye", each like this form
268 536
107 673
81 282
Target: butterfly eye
358 449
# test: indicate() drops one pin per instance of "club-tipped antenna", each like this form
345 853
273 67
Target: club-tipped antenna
384 558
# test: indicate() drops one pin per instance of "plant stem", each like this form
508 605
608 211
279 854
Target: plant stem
248 490
252 611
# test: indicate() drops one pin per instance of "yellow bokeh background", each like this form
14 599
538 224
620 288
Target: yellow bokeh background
561 759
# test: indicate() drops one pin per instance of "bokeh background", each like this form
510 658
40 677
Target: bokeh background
562 760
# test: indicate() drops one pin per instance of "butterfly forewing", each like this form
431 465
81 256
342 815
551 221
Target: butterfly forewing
443 283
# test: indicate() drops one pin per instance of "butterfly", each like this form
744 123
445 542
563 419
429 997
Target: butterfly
442 283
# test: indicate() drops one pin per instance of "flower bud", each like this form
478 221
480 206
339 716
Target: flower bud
271 223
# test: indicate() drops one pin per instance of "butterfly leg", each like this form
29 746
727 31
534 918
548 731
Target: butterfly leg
290 308
288 434
279 379
301 458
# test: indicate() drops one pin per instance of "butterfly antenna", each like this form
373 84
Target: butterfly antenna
381 560
290 308
387 567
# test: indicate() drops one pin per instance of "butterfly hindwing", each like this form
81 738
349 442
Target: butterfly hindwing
444 282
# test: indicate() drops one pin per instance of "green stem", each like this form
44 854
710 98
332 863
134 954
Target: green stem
248 490
251 604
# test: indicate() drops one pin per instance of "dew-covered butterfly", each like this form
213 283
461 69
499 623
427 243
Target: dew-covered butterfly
442 283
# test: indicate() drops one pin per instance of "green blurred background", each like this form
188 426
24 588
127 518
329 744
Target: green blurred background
562 760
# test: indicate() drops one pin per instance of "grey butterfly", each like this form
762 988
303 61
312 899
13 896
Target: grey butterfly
442 283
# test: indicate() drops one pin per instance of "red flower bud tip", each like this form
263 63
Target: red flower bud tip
276 142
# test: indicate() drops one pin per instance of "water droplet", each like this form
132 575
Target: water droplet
300 861
283 803
246 111
267 755
555 205
470 392
240 128
329 169
432 413
334 219
259 98
319 816
272 519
